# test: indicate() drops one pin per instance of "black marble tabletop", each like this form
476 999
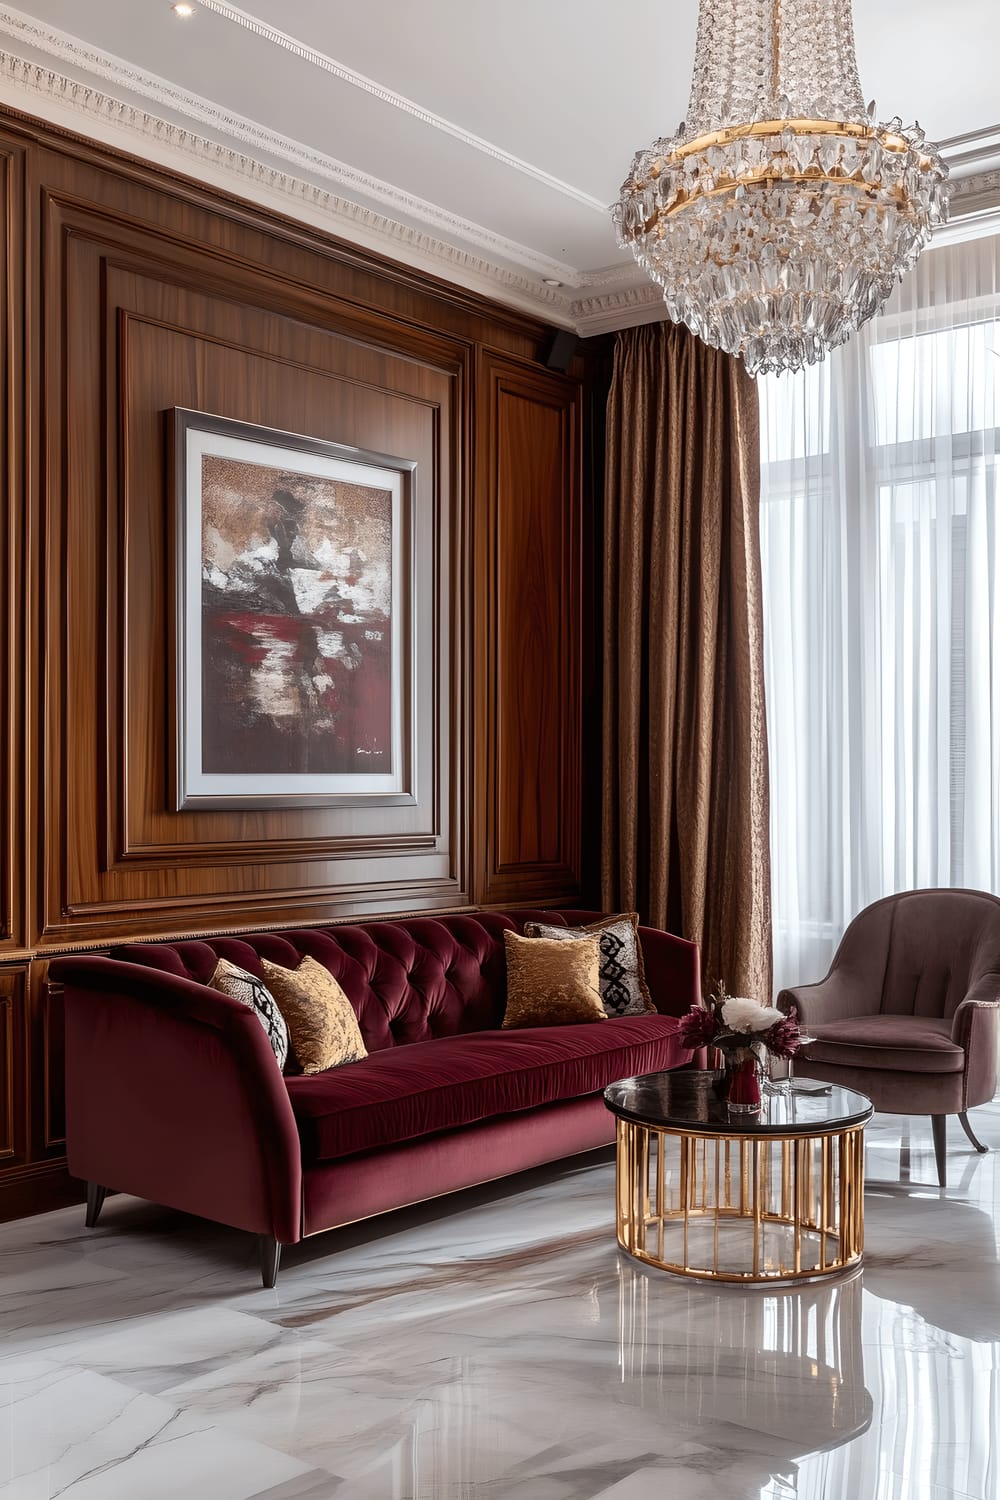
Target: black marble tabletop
686 1098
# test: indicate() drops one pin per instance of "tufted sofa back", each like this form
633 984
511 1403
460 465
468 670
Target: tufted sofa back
408 980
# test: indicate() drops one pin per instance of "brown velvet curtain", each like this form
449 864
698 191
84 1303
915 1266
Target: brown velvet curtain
685 814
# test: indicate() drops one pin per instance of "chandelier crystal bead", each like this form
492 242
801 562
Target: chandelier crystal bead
779 217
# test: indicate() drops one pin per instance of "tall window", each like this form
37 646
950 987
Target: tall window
880 537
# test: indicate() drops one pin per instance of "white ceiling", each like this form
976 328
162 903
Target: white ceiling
485 142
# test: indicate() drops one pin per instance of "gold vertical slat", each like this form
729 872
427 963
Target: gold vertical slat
729 1178
859 1135
635 1200
683 1187
830 1209
686 1143
852 1194
845 1149
630 1185
756 1206
621 1178
642 1197
715 1247
853 1247
810 1216
786 1202
852 1199
765 1176
659 1195
855 1194
744 1174
627 1187
824 1169
798 1190
859 1191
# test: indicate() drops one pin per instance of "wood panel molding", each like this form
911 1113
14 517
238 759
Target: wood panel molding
165 344
53 1067
8 1063
529 560
38 1187
14 1068
12 561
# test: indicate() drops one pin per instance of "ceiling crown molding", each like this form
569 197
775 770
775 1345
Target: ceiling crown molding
978 191
976 148
260 142
76 106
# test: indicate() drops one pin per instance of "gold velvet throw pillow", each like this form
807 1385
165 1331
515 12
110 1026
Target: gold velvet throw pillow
552 982
322 1026
623 983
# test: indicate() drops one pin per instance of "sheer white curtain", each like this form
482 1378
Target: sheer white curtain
880 539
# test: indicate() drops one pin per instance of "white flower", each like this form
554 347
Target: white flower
744 1015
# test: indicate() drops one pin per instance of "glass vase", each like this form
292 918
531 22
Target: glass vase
743 1095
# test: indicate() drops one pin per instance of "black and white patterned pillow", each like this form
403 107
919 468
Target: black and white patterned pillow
623 984
229 979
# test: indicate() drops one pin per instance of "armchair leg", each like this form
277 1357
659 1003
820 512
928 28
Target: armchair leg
270 1257
939 1126
95 1202
968 1130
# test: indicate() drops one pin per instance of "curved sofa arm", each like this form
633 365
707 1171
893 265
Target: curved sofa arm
173 1094
673 971
975 1026
834 998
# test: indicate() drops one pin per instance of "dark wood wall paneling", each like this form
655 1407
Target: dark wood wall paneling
129 291
528 551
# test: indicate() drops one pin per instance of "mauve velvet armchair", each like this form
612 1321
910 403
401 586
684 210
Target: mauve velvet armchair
908 1013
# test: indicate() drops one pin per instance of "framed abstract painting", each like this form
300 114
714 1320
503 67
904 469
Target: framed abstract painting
292 649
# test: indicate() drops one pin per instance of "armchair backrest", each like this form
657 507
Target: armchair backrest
923 951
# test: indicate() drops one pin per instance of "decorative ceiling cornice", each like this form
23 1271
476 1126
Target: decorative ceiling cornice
621 309
257 140
975 185
77 106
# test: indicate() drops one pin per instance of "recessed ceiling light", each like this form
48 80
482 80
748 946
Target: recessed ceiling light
551 281
183 10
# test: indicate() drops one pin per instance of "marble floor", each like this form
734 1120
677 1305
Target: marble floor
497 1345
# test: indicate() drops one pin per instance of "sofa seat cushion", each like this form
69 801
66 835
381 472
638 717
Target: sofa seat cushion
904 1044
404 1092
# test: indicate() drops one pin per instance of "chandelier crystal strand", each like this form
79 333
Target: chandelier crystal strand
781 214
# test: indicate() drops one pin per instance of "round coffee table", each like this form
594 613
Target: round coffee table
776 1196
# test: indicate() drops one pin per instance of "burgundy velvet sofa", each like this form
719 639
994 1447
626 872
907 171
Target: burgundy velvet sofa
173 1093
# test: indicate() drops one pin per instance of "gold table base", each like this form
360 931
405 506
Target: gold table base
747 1208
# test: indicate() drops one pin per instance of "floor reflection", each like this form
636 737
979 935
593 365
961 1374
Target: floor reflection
497 1346
788 1362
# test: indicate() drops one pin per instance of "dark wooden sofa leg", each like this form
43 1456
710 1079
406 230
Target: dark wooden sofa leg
95 1202
270 1257
939 1125
968 1130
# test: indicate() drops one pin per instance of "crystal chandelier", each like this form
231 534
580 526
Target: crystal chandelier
780 216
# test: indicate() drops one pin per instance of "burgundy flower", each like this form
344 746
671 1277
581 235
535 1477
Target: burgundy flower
783 1038
697 1028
